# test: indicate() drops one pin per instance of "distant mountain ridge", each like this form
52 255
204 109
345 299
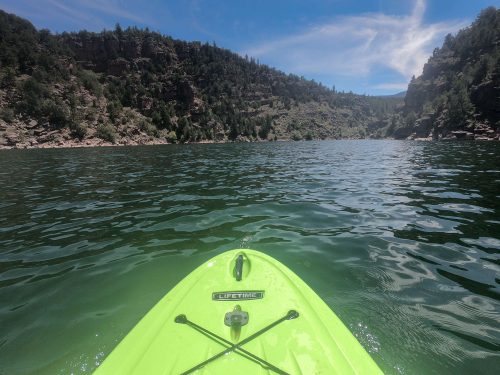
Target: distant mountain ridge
401 94
135 86
458 94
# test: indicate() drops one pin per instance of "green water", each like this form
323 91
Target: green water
401 239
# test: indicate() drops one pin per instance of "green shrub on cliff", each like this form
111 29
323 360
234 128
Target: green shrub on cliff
33 93
79 130
57 113
106 132
114 109
90 81
171 137
7 114
148 128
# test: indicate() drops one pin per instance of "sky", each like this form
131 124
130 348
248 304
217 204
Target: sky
369 47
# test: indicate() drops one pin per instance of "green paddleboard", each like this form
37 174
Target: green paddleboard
242 312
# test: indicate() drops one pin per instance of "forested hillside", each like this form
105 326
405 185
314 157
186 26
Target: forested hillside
135 86
458 94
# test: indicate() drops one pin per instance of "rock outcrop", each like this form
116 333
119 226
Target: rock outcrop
458 94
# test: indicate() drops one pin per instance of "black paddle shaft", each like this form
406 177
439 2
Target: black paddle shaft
292 314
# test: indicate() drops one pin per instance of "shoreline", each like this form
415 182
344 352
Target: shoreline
77 144
95 143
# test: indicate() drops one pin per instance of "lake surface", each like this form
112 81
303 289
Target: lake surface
401 239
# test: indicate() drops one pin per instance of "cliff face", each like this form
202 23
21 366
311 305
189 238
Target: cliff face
135 86
458 94
116 53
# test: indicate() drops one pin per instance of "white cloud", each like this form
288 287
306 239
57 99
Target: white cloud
113 8
358 45
69 11
88 14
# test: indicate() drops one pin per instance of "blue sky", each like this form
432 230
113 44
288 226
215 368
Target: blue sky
368 46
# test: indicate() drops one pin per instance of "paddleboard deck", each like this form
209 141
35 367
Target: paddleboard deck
241 312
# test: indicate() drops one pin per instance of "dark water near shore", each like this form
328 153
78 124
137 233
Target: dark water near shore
401 239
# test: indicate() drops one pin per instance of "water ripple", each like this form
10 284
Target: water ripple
401 239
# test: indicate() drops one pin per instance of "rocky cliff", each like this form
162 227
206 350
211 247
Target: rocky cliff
458 94
135 86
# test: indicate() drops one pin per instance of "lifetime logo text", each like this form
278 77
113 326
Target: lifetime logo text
238 295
